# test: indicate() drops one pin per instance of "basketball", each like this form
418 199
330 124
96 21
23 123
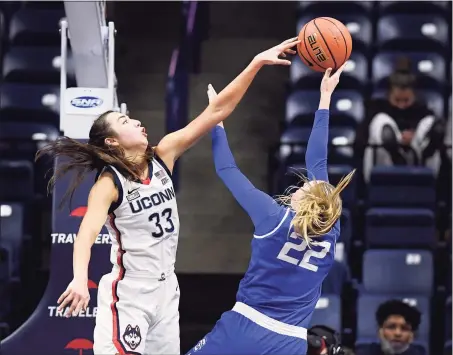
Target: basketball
325 43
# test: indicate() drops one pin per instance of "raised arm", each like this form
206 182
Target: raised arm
264 212
176 143
316 154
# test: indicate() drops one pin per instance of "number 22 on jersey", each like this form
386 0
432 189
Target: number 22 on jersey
304 262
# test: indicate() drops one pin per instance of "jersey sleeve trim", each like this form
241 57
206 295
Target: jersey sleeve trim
161 162
275 229
118 185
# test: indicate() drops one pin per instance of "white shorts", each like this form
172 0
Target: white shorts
137 315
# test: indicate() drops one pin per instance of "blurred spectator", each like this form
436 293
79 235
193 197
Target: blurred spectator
405 127
397 323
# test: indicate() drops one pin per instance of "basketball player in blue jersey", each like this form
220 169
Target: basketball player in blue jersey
133 196
292 249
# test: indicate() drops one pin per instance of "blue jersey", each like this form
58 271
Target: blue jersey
284 277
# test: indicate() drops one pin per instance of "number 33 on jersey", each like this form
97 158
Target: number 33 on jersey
144 222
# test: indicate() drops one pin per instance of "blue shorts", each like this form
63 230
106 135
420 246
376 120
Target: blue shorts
234 334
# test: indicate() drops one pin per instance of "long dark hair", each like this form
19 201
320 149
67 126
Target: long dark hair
91 156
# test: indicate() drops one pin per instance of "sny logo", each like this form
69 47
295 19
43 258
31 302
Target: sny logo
86 102
132 336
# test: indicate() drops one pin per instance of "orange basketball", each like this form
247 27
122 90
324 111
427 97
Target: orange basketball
325 43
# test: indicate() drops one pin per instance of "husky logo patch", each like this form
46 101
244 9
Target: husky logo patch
132 336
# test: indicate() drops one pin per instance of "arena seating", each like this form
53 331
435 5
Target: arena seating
29 117
395 216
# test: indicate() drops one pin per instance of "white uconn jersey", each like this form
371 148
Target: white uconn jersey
144 223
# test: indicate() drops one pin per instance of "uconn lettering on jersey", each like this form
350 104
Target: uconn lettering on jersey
138 204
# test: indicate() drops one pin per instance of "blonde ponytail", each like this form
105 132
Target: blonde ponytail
319 209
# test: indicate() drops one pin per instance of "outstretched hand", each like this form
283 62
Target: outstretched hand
329 83
211 95
75 299
272 55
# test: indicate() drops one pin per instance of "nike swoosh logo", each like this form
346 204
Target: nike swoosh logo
131 191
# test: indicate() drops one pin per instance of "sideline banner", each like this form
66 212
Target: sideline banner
47 331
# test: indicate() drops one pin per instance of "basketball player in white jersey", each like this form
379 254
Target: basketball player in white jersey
134 197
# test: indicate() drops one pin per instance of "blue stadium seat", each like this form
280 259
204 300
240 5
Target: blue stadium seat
12 234
398 272
421 7
20 140
336 172
423 32
354 76
399 227
367 327
432 98
35 27
402 186
359 26
300 135
346 108
337 277
335 6
11 221
18 177
35 65
346 229
327 312
294 141
430 68
35 103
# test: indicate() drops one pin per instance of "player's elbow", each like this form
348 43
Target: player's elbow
222 170
228 175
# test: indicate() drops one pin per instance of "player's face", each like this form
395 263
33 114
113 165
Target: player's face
396 331
130 134
402 97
